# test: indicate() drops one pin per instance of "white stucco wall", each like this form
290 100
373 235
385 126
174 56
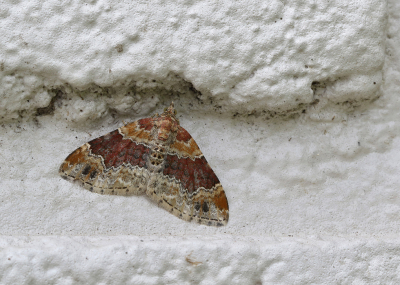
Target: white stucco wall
294 106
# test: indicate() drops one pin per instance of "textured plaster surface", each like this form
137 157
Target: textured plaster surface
313 198
265 56
148 260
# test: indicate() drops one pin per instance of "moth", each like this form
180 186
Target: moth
154 156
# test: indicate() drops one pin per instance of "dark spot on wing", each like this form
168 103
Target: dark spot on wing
86 170
205 207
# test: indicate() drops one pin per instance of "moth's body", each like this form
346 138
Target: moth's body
153 156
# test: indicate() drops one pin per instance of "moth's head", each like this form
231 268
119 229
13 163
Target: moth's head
170 111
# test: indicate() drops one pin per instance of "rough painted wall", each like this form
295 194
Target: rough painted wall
266 56
294 105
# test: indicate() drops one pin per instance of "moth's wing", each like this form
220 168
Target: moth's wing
188 187
114 163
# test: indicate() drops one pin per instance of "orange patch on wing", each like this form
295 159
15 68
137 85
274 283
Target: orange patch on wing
134 132
220 199
78 156
189 149
81 156
217 197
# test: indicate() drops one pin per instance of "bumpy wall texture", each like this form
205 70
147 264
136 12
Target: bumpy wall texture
264 56
294 104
